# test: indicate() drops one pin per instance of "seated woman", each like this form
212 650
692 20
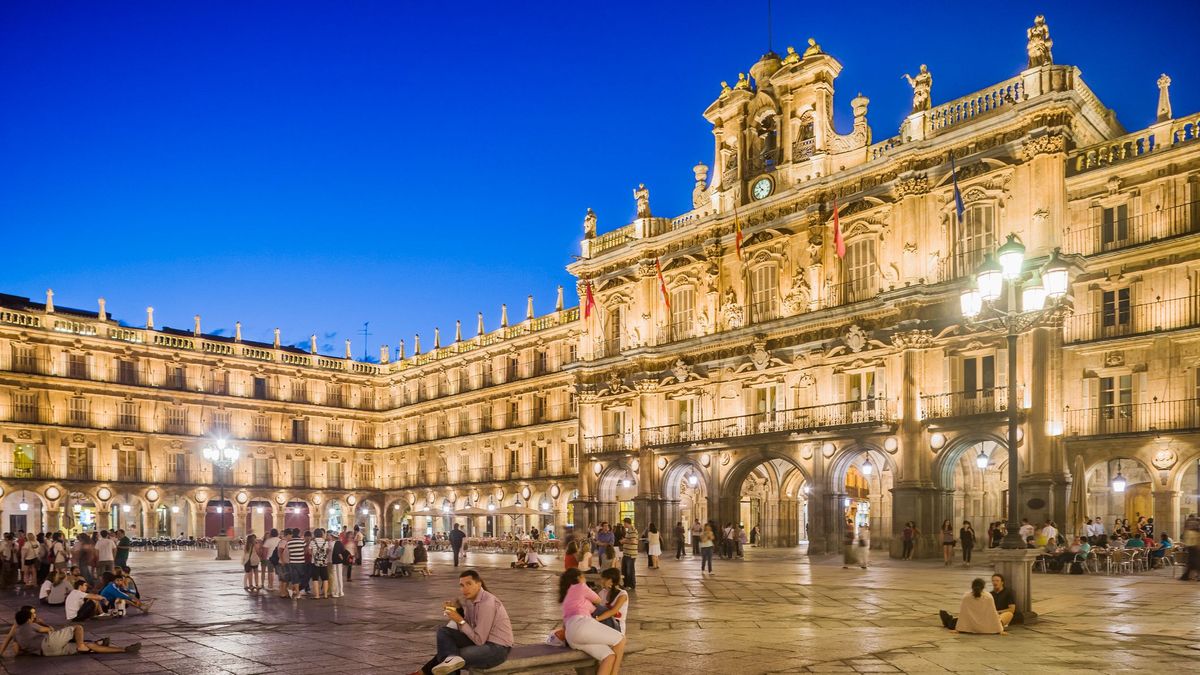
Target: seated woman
420 558
54 589
571 556
977 612
582 630
405 556
34 637
586 563
383 563
1159 552
520 562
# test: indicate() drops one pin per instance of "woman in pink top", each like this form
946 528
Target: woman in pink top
584 633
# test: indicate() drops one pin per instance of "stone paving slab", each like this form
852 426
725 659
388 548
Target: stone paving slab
775 612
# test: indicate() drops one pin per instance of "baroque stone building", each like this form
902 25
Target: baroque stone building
756 359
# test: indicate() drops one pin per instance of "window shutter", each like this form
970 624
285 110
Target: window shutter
1002 367
1141 383
881 382
839 388
948 374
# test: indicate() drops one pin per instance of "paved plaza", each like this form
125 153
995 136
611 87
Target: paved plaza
776 612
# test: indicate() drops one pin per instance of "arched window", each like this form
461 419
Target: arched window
976 238
764 288
859 278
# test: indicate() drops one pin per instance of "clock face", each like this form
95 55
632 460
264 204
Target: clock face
762 188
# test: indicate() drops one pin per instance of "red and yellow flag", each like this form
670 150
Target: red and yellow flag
589 302
662 283
737 229
839 244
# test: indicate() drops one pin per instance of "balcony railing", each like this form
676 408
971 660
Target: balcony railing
965 403
1132 418
1151 317
1173 221
608 443
869 412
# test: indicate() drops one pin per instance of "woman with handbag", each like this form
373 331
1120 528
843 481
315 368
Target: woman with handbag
947 541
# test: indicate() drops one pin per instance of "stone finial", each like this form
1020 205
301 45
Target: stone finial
49 301
312 343
196 325
237 331
437 338
479 324
859 105
1164 98
103 313
529 307
558 301
699 188
504 316
348 348
400 351
276 343
150 318
457 330
384 354
417 344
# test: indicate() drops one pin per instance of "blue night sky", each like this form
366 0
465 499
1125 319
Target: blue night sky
315 165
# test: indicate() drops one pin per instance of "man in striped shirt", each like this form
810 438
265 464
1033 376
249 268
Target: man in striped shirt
297 569
629 551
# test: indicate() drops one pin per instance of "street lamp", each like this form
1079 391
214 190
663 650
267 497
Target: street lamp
1118 481
868 468
223 456
1042 302
982 460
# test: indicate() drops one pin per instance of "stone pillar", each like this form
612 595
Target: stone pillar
1045 476
826 522
1016 565
104 517
1166 513
914 496
53 520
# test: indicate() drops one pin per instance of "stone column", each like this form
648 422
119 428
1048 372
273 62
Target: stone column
1016 565
1166 513
104 517
1044 460
53 520
914 496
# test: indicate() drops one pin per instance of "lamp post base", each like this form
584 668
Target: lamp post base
222 547
1016 565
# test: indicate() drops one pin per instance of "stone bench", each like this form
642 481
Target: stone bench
545 658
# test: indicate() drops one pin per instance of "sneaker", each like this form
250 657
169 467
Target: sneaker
133 648
104 642
451 664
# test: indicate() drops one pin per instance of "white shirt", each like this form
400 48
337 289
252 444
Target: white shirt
1050 532
74 602
106 549
1098 528
270 544
1026 531
1089 530
624 609
531 558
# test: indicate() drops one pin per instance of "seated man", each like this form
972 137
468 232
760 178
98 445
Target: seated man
115 594
54 589
81 605
483 635
407 558
1136 541
34 637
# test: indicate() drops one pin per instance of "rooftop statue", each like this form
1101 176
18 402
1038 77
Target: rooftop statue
642 196
1039 43
792 57
742 82
725 90
813 48
921 85
589 224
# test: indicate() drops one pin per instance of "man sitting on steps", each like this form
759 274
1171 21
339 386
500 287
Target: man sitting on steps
482 636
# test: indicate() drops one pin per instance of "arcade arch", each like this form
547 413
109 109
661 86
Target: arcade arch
973 476
863 477
1107 501
766 490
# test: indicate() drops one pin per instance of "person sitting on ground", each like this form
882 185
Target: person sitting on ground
482 637
130 585
81 605
420 558
54 589
114 593
571 556
976 613
34 637
520 561
1005 601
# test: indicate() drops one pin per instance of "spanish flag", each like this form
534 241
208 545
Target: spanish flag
737 229
662 283
589 302
839 244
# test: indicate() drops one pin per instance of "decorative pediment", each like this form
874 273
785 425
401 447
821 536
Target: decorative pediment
853 341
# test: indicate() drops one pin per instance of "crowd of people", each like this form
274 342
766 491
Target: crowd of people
27 558
310 564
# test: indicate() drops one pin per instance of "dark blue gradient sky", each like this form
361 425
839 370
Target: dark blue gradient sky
315 165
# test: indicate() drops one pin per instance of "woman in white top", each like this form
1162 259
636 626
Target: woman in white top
31 553
977 613
653 546
615 599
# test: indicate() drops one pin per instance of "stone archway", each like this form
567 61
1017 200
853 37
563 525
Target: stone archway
754 489
861 477
1107 502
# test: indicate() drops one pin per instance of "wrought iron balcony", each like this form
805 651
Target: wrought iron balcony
965 403
1134 418
869 412
1124 321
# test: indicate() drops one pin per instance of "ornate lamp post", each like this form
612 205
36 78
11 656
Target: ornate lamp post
223 457
1041 301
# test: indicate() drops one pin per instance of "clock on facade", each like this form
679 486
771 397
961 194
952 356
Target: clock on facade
762 188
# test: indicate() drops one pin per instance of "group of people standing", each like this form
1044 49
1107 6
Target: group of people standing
310 564
28 558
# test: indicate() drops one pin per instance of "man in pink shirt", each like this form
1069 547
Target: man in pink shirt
483 635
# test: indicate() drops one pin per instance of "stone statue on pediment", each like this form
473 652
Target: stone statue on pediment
1039 43
921 85
642 196
731 311
589 224
725 90
742 82
792 56
813 48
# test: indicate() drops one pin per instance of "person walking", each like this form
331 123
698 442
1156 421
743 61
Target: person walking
850 553
705 544
947 542
966 535
457 537
697 529
679 536
653 546
629 552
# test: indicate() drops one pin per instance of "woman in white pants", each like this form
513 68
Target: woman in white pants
583 632
337 562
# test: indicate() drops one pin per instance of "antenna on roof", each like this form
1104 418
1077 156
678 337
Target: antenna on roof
769 46
365 333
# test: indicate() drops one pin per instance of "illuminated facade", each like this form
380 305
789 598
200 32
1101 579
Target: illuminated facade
772 382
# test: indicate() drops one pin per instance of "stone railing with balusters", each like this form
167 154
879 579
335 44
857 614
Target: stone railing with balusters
1156 138
20 319
971 106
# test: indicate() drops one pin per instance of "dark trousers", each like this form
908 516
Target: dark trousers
457 551
453 642
695 544
908 550
706 558
628 562
966 552
679 548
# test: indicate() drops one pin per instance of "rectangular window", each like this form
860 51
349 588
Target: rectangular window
333 469
127 416
177 378
514 413
335 433
539 408
260 388
1115 314
861 390
858 272
764 286
686 411
262 471
1114 226
219 382
572 404
683 313
1116 397
977 239
573 454
77 413
77 366
513 370
23 360
541 459
612 333
219 424
78 467
300 391
333 396
25 407
572 352
262 428
126 372
300 431
513 462
300 472
177 466
127 464
177 420
978 376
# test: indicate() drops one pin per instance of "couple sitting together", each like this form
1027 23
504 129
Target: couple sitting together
985 613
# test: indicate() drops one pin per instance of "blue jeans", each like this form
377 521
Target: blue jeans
453 642
706 557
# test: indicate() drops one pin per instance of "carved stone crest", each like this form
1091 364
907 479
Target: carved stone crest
912 185
1044 145
806 380
855 339
24 434
759 356
913 339
1114 359
731 311
1164 459
681 370
800 297
646 268
1113 185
